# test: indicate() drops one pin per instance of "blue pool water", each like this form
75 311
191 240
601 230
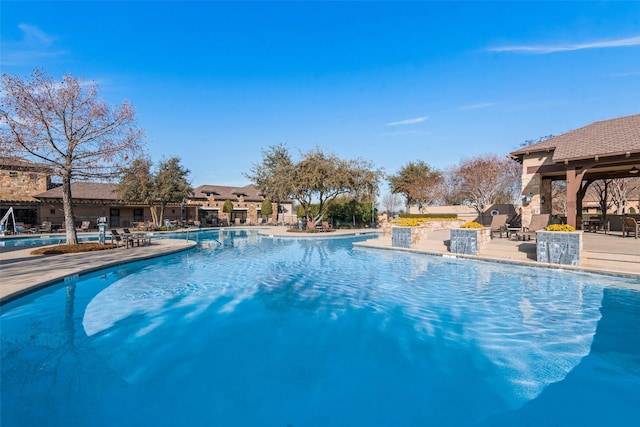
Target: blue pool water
257 331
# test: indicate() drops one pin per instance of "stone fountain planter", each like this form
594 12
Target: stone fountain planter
559 247
469 241
404 237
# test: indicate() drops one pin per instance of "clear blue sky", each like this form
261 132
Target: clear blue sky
389 82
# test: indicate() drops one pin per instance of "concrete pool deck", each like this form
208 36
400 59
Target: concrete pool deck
602 253
21 273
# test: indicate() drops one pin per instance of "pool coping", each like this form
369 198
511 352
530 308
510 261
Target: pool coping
23 273
522 263
69 268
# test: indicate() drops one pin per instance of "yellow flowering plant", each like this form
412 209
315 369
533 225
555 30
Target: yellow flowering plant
471 224
560 227
408 222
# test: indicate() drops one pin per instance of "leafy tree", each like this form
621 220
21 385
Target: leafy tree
418 182
272 177
228 208
317 178
167 184
267 208
66 126
172 185
486 180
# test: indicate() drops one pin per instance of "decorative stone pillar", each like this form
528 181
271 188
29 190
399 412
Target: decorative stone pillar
401 237
469 241
559 247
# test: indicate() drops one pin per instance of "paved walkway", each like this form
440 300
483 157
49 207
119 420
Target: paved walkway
21 273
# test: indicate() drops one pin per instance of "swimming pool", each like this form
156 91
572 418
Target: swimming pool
256 331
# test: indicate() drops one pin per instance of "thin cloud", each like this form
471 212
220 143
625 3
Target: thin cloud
477 106
408 121
541 50
35 35
411 132
34 46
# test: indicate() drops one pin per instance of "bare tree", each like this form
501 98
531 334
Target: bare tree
621 190
391 201
599 190
559 198
485 180
66 126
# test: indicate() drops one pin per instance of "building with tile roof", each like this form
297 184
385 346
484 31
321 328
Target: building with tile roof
28 188
602 150
247 206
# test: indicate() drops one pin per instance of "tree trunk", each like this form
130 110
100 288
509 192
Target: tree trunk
154 215
67 202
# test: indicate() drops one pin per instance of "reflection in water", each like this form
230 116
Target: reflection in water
296 328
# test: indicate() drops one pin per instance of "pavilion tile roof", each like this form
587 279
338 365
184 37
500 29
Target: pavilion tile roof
605 138
84 191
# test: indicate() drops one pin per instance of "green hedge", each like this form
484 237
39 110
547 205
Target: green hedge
431 216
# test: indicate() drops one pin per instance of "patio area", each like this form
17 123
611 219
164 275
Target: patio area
603 253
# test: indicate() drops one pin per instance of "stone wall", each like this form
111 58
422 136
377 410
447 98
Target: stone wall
429 225
555 247
21 185
469 241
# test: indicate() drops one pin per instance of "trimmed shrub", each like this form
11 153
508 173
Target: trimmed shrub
435 216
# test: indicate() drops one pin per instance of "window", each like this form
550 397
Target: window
52 211
33 176
13 174
137 215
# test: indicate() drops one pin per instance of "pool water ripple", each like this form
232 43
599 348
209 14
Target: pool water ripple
268 331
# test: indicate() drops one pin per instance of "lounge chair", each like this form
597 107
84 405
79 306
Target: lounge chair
117 240
499 224
326 226
630 225
84 226
538 222
45 227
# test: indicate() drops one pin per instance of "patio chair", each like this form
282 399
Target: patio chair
117 240
499 224
538 222
630 225
136 239
45 227
84 226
